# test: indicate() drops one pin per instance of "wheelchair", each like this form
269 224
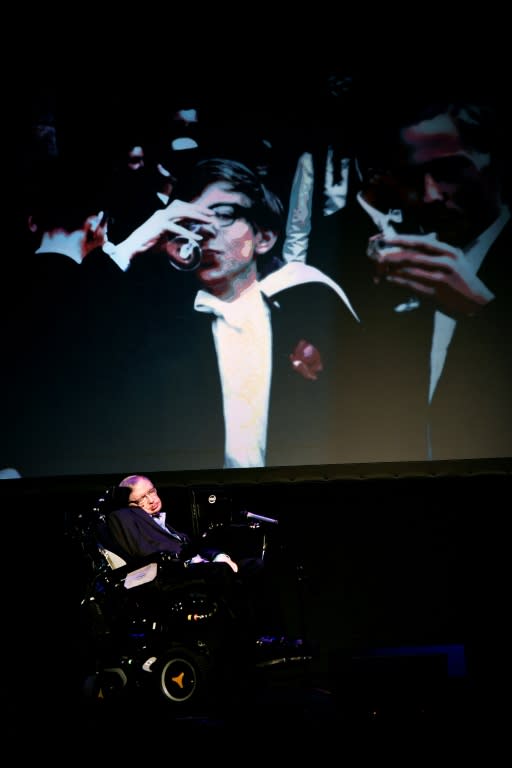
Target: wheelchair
182 645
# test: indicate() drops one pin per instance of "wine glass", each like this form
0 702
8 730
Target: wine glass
385 223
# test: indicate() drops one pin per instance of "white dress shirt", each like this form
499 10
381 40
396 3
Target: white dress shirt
160 519
242 335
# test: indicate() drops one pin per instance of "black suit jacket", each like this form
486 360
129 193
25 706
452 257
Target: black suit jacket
64 343
138 535
307 419
471 411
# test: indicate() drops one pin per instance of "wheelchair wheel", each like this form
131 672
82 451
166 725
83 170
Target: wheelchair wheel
106 684
183 677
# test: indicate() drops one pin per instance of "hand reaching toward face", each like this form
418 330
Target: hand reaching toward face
430 269
164 221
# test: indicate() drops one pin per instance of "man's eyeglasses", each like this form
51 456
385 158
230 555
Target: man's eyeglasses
145 498
225 215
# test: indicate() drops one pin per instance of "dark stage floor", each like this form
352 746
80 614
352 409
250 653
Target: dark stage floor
292 705
287 712
278 709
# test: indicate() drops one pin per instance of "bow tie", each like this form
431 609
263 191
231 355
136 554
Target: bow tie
233 312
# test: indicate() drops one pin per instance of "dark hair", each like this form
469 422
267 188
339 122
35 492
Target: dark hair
266 209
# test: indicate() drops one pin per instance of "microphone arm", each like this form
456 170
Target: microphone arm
259 518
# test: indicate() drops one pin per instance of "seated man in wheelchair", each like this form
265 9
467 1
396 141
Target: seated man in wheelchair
133 527
140 529
168 611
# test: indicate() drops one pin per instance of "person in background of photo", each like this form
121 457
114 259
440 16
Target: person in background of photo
323 171
422 250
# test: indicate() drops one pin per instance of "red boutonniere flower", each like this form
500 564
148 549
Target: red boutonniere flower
306 360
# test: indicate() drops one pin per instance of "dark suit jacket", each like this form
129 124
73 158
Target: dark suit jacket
307 419
138 535
63 343
471 412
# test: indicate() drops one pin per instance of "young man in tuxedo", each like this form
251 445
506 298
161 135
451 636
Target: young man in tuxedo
239 370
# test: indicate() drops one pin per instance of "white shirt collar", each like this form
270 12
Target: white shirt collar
235 313
383 221
67 245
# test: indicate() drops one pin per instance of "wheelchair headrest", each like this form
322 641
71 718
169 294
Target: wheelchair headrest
95 528
114 497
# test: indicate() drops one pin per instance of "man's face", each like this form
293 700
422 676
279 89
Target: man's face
145 496
446 187
228 245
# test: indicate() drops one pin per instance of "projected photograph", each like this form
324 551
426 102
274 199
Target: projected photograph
217 280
